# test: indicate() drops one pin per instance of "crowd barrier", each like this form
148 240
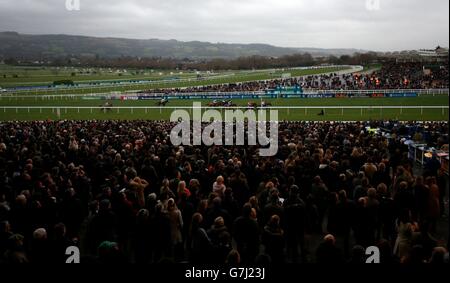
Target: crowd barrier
421 154
188 96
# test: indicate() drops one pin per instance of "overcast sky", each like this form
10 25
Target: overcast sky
391 25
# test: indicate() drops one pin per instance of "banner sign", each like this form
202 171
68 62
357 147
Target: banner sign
406 94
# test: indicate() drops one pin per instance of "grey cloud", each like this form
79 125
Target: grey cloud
398 25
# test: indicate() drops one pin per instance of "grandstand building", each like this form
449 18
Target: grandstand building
437 55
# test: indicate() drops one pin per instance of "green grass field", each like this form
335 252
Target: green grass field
11 76
163 113
191 80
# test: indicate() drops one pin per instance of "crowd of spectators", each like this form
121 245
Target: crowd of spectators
122 193
390 76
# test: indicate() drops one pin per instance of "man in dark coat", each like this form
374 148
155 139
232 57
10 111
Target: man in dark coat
246 234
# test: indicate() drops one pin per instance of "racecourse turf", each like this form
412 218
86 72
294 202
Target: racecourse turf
167 79
93 111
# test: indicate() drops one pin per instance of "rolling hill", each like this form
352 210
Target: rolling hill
38 47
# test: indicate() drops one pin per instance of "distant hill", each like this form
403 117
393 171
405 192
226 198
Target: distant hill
36 47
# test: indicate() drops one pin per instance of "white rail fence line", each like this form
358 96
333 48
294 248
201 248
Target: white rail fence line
233 107
191 108
108 94
237 93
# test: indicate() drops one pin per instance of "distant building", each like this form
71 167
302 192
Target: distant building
439 54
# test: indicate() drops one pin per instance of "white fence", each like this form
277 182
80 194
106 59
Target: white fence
356 93
118 109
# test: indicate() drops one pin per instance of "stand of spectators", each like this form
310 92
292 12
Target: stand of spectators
391 76
122 193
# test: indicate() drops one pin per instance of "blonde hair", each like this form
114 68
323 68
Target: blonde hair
181 186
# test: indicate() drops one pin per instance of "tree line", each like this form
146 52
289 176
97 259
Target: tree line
241 63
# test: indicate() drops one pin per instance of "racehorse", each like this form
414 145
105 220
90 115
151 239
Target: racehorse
223 103
106 107
229 103
252 105
213 104
162 102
